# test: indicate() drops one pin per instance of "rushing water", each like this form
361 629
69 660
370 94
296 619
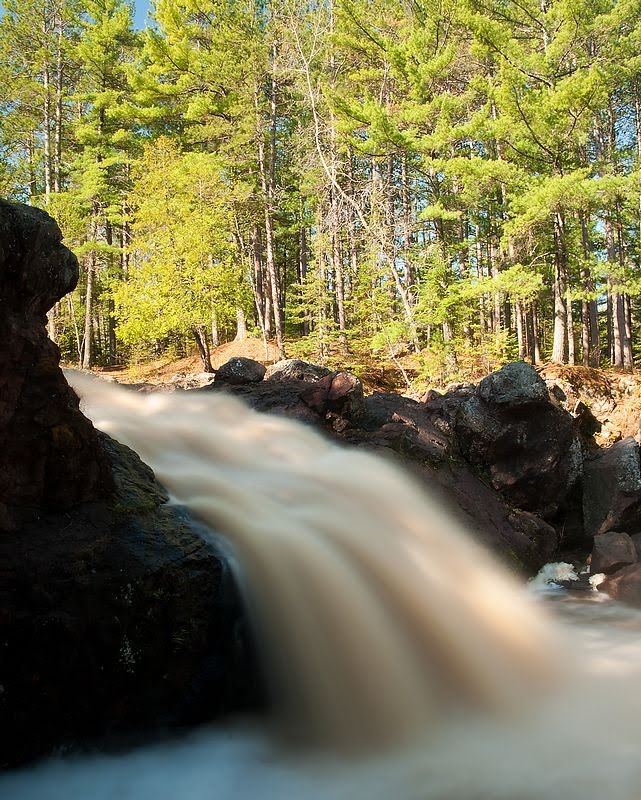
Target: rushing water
418 668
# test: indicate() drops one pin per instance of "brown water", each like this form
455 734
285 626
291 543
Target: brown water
392 639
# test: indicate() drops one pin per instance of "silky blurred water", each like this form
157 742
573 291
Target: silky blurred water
406 662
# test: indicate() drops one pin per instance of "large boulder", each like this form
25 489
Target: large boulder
516 385
612 489
337 397
422 439
117 613
295 369
116 619
527 445
239 371
624 585
49 455
611 552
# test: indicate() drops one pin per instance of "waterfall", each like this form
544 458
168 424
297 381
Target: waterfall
419 668
376 614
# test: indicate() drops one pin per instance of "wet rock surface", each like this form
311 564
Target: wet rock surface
611 552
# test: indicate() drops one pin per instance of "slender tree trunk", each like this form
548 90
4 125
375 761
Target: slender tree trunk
615 317
111 308
590 321
258 282
46 130
570 319
87 351
339 284
200 335
59 87
241 325
215 334
536 341
628 359
560 342
493 256
520 331
610 326
623 319
585 333
302 271
406 201
33 174
266 159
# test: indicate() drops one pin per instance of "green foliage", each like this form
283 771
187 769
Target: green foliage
390 175
183 273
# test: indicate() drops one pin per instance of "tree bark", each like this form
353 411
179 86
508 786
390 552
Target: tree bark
200 335
87 350
559 344
266 164
241 325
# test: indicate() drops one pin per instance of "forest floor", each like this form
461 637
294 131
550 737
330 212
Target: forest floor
613 396
377 374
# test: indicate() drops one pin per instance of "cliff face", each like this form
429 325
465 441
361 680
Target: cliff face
49 453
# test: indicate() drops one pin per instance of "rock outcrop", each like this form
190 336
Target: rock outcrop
117 614
612 496
529 446
49 455
423 438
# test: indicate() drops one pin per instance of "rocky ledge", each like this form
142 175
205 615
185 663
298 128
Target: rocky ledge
524 474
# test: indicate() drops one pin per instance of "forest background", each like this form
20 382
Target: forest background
456 179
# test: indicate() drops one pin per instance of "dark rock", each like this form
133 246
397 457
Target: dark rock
337 395
612 551
460 389
636 541
430 395
238 371
612 489
517 384
36 269
557 394
295 369
624 585
587 424
274 397
528 446
116 618
49 454
116 613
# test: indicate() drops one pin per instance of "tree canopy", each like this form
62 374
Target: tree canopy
458 179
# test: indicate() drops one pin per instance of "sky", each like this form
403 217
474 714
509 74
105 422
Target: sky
141 7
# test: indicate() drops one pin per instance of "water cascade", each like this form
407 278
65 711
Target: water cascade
374 611
388 634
